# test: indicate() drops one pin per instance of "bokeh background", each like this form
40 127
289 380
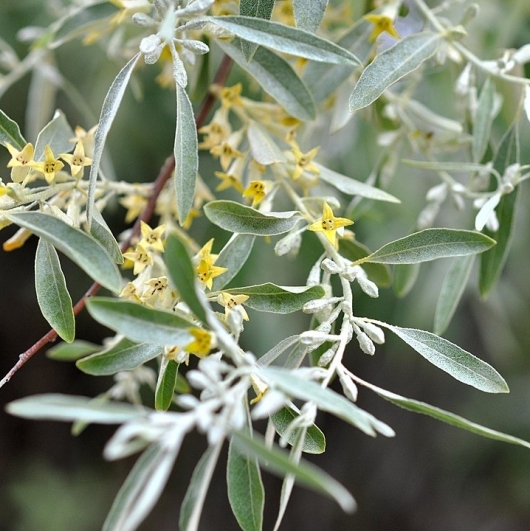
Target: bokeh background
429 477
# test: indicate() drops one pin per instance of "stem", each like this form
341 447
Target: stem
161 180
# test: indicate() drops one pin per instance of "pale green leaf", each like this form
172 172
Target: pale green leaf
54 300
444 416
245 489
451 166
56 134
308 14
233 256
72 351
73 408
277 350
326 400
125 355
451 292
285 39
109 109
141 489
139 323
77 245
264 149
182 275
100 230
430 244
391 65
278 462
483 120
235 217
10 132
278 299
452 359
404 278
186 155
276 77
165 385
254 8
350 186
314 440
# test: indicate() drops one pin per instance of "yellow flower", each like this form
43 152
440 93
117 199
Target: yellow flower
129 292
135 204
86 138
20 162
226 153
231 301
202 344
231 96
77 160
304 161
140 257
217 131
152 238
206 271
382 24
228 181
329 224
157 289
257 190
259 387
50 166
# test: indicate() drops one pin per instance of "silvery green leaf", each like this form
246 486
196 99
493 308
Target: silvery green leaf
10 132
235 217
262 146
308 14
245 489
452 359
391 65
483 120
285 39
404 278
254 8
233 256
100 230
73 408
141 489
451 292
278 299
445 416
326 400
165 385
125 355
72 351
276 77
109 109
457 167
139 323
430 244
56 134
186 155
350 186
278 461
77 245
54 300
277 350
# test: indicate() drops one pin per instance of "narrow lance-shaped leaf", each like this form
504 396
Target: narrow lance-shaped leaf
72 351
100 230
254 8
285 39
52 294
276 77
140 323
308 14
57 134
442 415
165 385
126 355
483 120
109 109
278 461
452 359
492 262
391 65
430 244
235 217
278 299
10 131
186 155
79 246
262 146
452 289
183 275
404 278
233 257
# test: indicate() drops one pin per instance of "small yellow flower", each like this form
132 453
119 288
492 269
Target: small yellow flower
157 288
217 131
259 387
86 138
50 166
382 24
228 181
77 160
304 161
226 152
231 96
135 204
202 344
206 271
129 292
257 190
20 158
329 224
152 238
231 301
140 257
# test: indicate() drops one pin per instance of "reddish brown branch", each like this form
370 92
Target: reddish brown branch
161 180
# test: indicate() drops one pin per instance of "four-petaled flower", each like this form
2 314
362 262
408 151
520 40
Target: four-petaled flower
232 301
304 162
206 271
202 343
228 180
382 24
20 162
140 257
329 224
152 238
50 166
226 152
77 160
257 190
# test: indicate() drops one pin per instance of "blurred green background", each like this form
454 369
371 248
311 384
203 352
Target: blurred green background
429 477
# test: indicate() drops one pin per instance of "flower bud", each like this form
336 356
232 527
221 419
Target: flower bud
366 344
369 287
329 266
375 333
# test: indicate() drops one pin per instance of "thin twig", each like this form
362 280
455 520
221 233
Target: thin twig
146 214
